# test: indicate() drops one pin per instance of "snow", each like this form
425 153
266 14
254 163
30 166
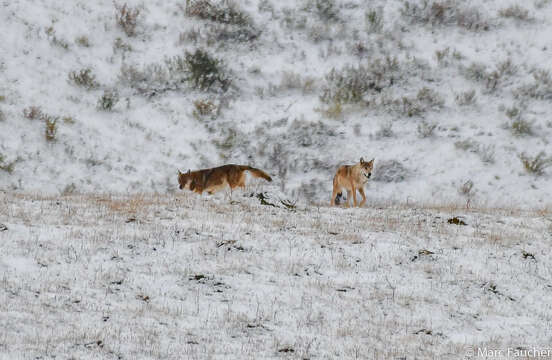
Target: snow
155 276
141 143
105 257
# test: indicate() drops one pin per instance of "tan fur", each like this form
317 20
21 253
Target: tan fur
352 178
214 179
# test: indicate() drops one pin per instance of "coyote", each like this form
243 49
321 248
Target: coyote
214 179
352 178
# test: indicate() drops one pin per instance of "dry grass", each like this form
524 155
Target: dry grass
87 273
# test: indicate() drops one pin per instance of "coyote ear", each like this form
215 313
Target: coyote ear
179 173
371 161
361 160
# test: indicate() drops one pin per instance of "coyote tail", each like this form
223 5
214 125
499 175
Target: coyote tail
258 173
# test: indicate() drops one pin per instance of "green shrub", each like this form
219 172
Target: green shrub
198 69
373 20
326 10
204 71
108 100
425 129
537 164
444 12
521 127
6 166
351 84
426 99
84 78
224 12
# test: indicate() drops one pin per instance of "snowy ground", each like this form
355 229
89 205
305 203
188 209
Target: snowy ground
188 277
274 116
452 99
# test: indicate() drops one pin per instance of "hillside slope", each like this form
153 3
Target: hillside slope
117 97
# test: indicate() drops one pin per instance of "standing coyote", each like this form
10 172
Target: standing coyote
352 178
214 179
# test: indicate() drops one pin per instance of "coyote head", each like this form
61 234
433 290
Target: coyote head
185 180
366 167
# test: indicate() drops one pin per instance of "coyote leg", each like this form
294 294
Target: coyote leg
334 194
361 191
349 198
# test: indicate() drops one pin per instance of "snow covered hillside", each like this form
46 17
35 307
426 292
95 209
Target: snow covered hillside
452 98
184 277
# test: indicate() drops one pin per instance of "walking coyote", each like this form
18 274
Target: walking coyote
214 179
352 178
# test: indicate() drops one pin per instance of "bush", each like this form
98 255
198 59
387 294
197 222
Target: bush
306 133
521 127
485 152
540 88
430 98
351 84
466 98
82 41
333 110
226 33
515 12
426 129
120 45
68 120
426 99
199 69
320 32
506 68
127 18
84 78
54 40
6 166
444 12
224 12
108 100
326 10
293 81
50 129
228 22
536 165
476 72
32 112
390 171
373 20
491 78
203 108
466 145
205 71
291 20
